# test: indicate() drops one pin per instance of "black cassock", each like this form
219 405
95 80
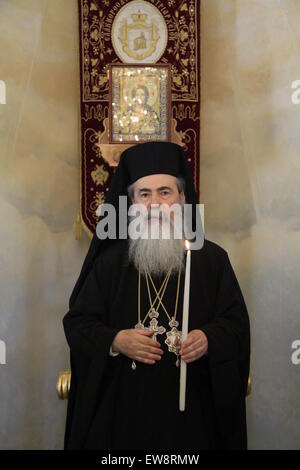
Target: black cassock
112 406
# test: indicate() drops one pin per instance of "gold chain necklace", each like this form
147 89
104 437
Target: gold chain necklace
152 313
173 340
152 304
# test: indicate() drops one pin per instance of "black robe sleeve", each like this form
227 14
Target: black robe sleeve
89 336
229 356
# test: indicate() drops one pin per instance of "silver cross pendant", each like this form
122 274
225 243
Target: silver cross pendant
158 330
153 313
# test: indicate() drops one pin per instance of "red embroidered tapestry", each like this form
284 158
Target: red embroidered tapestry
139 32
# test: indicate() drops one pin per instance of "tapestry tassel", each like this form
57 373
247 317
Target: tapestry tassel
78 231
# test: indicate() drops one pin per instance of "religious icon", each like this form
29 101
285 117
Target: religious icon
174 338
139 102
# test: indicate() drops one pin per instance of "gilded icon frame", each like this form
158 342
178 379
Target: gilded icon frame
139 102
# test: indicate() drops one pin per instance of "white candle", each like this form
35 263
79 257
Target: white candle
185 324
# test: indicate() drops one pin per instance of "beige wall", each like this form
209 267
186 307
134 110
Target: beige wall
39 258
249 183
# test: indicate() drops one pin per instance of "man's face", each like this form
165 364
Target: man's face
140 96
157 189
157 243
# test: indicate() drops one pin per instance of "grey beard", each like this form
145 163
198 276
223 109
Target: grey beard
157 256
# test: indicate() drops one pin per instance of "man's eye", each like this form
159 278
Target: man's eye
165 193
144 195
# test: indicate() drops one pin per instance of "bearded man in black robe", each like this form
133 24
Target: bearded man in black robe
124 324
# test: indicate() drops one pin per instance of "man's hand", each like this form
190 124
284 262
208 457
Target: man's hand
194 346
138 344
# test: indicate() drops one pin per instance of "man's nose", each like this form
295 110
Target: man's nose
155 199
154 207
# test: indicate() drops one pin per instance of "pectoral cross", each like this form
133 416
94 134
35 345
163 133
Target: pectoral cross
158 330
